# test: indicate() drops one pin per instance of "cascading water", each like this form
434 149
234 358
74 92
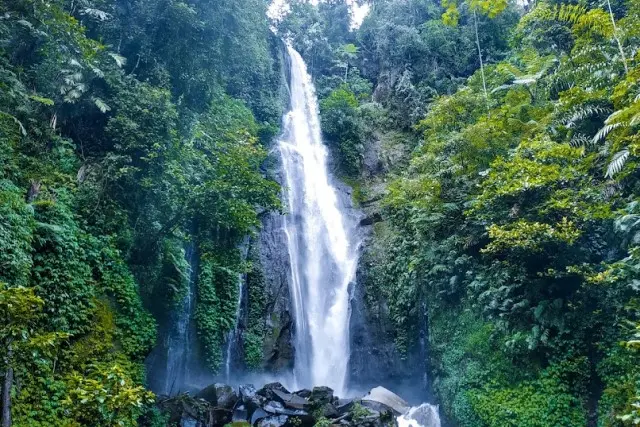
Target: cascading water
172 362
425 415
233 334
322 250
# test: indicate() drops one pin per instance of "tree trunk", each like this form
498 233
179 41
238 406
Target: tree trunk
615 36
484 81
7 383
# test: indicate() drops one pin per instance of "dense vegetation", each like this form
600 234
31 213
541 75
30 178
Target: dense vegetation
498 144
128 131
510 141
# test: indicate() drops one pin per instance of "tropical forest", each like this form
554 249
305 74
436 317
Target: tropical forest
316 213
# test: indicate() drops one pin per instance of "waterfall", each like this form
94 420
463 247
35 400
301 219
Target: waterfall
320 238
425 415
180 340
233 334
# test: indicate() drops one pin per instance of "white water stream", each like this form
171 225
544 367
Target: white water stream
322 250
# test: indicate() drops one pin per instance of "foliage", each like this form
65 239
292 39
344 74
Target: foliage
105 395
512 223
255 332
126 135
343 128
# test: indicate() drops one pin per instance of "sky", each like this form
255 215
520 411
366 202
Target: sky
359 12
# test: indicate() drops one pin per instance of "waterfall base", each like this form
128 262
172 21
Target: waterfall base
274 406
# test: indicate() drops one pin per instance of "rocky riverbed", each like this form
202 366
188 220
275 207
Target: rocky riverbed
274 406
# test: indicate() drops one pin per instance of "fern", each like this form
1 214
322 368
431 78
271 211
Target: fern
580 140
120 60
23 131
96 13
606 130
617 163
584 111
102 106
570 13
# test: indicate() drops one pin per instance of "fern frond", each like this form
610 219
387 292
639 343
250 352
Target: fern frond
102 106
96 13
120 60
602 133
617 163
584 112
23 131
570 12
580 140
613 115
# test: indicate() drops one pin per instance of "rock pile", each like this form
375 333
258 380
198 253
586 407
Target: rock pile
274 406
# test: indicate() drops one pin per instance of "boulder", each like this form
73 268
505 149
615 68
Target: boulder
273 421
321 395
219 395
268 391
257 415
240 413
380 398
304 393
328 411
251 399
345 405
247 391
278 408
289 400
220 417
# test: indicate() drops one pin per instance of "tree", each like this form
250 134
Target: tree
486 7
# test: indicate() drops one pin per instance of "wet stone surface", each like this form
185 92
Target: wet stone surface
274 406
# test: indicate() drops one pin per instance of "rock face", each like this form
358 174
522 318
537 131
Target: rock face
266 311
274 406
375 358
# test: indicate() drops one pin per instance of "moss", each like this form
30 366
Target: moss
358 193
254 336
216 305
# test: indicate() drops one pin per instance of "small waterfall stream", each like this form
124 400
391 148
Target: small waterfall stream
232 337
320 238
180 340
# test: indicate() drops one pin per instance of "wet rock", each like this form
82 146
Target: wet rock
272 263
220 417
250 399
321 395
328 411
345 405
278 408
257 415
378 409
240 413
371 219
379 398
247 391
289 400
273 421
304 393
219 395
268 391
187 421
